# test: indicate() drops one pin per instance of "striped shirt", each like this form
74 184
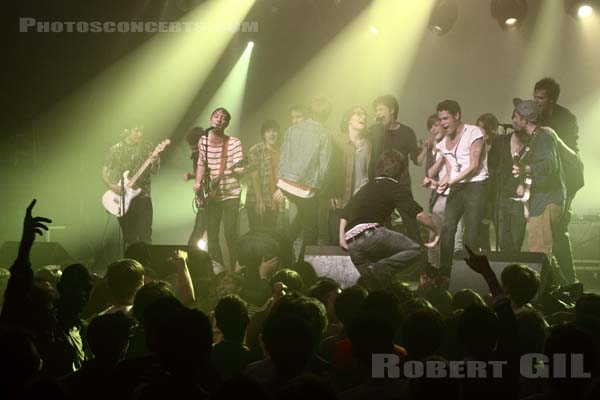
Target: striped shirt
229 187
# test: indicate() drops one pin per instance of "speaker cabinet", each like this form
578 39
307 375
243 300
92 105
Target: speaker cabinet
42 254
585 239
463 277
332 262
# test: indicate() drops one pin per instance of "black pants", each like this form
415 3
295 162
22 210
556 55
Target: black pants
334 226
228 210
412 226
305 221
561 248
266 221
136 224
466 200
511 225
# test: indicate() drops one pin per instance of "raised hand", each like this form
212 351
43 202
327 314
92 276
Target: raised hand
179 257
478 262
31 226
266 267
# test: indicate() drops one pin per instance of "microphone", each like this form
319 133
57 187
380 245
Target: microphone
507 126
207 130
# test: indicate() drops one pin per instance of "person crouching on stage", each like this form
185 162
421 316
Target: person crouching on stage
375 250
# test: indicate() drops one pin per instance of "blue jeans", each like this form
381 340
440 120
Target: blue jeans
467 201
384 250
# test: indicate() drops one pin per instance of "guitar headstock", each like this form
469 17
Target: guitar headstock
161 146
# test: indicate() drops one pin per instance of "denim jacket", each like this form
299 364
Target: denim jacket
305 154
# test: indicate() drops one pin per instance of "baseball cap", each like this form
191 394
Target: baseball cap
526 109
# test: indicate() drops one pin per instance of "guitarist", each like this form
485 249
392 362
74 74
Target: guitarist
219 152
192 139
129 154
510 213
543 167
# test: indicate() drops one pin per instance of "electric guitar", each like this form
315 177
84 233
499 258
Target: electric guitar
525 185
209 190
118 205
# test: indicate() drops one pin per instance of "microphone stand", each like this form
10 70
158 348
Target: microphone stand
122 211
499 185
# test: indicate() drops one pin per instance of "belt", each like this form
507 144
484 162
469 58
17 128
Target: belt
366 233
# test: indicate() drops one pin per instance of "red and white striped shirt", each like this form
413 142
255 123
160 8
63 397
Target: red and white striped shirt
229 187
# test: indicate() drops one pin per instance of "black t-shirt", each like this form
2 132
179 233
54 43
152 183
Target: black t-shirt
375 201
500 164
402 139
564 124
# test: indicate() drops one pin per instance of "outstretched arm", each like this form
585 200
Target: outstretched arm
21 274
185 287
480 264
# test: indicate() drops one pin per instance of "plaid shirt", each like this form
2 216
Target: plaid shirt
266 162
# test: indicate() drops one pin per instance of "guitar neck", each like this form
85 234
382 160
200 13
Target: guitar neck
139 172
217 179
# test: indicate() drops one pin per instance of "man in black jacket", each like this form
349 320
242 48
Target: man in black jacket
564 123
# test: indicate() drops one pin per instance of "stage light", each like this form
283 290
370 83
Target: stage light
250 44
585 11
443 16
202 245
581 8
374 30
509 14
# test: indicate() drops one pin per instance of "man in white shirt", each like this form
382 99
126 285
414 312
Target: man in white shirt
466 177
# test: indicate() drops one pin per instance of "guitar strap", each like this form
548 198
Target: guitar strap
224 155
523 156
